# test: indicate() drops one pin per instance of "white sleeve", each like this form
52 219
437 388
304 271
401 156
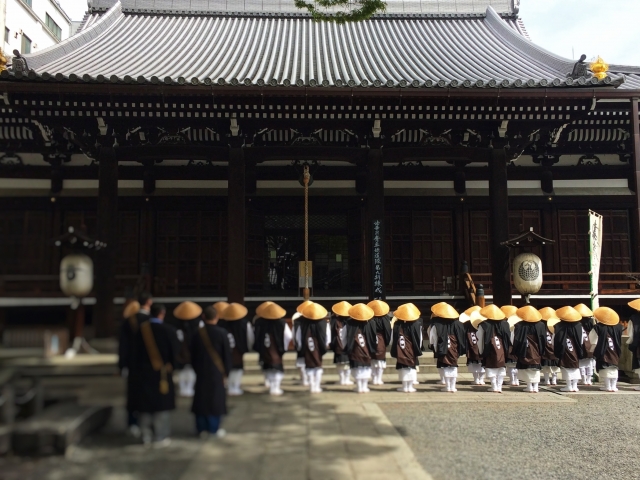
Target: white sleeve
287 336
433 336
421 339
298 339
630 333
513 335
480 337
328 334
593 338
342 335
251 338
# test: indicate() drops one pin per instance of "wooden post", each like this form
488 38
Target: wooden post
636 157
375 219
499 202
107 224
237 223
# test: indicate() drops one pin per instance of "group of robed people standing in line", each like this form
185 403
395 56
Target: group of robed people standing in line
519 343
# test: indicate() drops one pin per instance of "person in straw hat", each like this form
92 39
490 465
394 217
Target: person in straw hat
300 363
633 330
568 346
587 364
382 326
606 338
132 318
273 336
241 338
361 343
189 314
406 343
338 322
529 340
474 360
550 368
314 337
448 340
511 361
259 309
494 342
211 360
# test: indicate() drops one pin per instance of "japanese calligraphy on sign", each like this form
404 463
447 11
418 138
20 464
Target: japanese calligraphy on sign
377 258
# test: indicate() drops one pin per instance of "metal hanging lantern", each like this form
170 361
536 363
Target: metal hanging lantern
76 275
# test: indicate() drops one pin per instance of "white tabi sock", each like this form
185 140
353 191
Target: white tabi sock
514 377
442 380
500 382
481 378
494 384
613 384
607 385
475 378
588 375
547 378
535 387
574 385
554 379
347 377
408 387
341 375
318 381
452 384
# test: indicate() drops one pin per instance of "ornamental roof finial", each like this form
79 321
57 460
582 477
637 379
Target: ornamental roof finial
599 68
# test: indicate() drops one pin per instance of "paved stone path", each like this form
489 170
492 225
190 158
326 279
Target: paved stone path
335 435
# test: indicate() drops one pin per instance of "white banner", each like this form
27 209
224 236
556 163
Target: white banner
595 248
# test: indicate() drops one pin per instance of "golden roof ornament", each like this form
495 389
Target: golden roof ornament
3 61
599 68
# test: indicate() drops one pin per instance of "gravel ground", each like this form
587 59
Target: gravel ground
597 437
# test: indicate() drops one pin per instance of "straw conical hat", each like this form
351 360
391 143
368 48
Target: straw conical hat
551 324
220 307
379 307
635 304
509 310
444 310
466 315
272 311
234 311
261 307
606 316
529 314
547 313
131 309
341 308
568 314
302 306
407 312
361 312
583 310
313 311
187 311
512 320
476 319
492 312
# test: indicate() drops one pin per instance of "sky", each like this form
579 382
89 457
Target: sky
568 28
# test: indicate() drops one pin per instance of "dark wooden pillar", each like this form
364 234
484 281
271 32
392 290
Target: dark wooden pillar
237 223
104 268
375 219
499 202
636 156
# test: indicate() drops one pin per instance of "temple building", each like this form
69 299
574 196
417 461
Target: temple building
177 132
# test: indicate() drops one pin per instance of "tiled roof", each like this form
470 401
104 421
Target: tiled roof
464 50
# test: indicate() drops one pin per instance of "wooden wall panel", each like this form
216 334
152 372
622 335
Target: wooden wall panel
355 232
256 272
26 245
398 266
480 261
433 246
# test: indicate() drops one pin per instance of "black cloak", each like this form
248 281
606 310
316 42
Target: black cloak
444 328
497 328
634 323
210 397
412 331
613 331
368 332
572 330
126 358
317 329
383 325
272 327
521 331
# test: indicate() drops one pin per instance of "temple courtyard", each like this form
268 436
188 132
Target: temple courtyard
342 435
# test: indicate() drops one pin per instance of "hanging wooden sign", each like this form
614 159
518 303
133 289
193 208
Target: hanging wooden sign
377 251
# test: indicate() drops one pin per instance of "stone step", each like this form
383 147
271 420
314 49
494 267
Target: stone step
57 427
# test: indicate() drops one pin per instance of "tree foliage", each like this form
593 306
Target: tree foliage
355 10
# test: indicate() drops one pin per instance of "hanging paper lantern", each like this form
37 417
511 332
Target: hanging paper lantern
527 273
76 275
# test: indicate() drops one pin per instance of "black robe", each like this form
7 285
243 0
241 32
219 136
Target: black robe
368 330
210 397
383 326
189 328
126 356
273 329
339 354
237 330
147 387
444 328
317 329
411 331
521 331
607 331
573 330
497 328
634 346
